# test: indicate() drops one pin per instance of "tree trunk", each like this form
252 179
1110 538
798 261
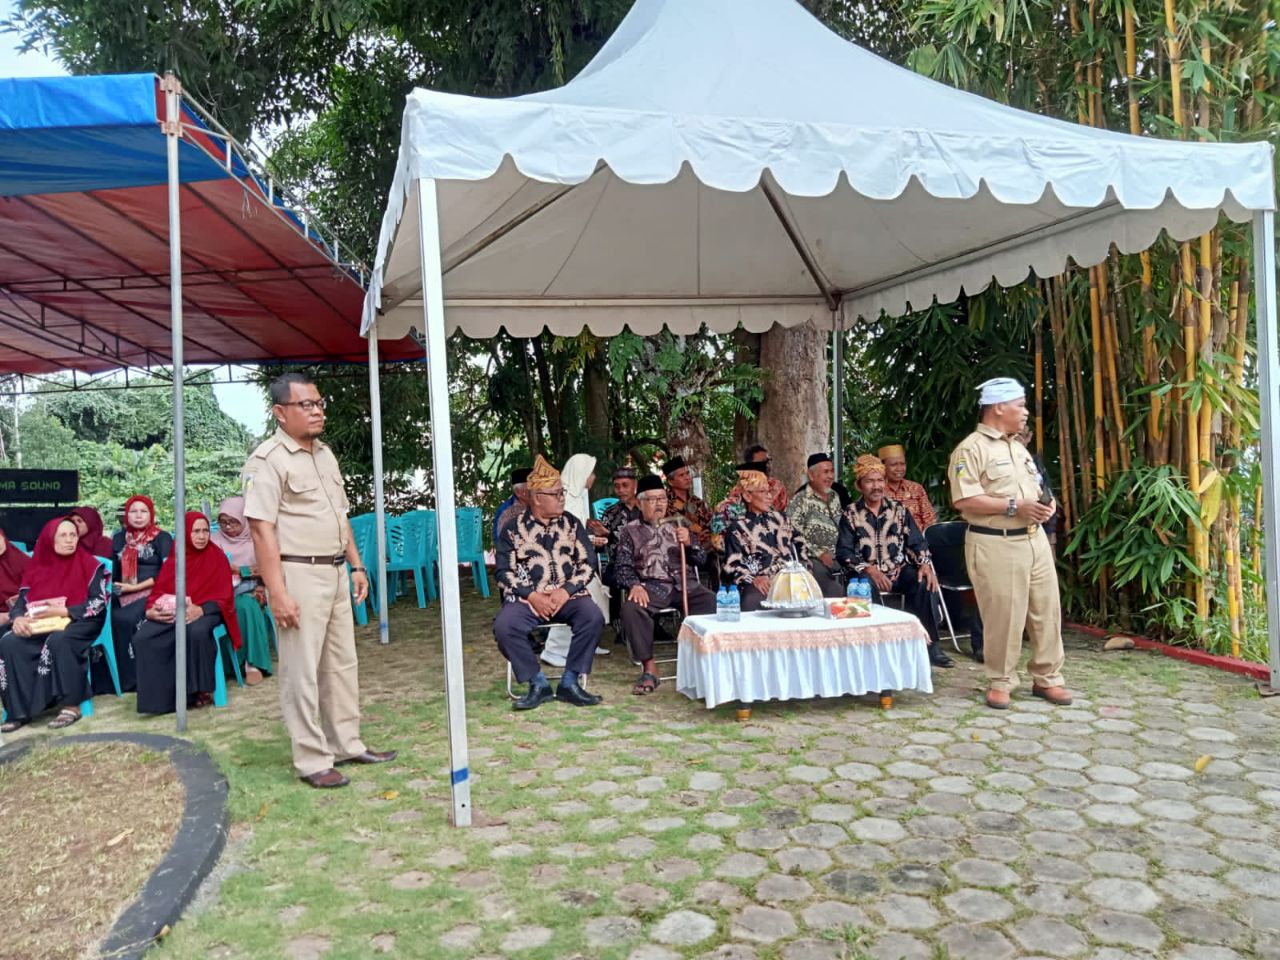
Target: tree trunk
595 388
746 429
794 420
688 438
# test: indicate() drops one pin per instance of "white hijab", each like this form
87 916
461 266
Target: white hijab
577 498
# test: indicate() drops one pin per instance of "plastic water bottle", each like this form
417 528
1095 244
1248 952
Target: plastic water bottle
864 591
735 604
722 604
853 589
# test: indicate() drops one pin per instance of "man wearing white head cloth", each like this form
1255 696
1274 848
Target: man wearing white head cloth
995 486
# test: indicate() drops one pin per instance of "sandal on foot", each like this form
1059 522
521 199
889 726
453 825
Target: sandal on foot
646 685
65 718
11 725
252 676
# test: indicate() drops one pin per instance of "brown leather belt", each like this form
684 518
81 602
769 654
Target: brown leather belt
329 561
1001 532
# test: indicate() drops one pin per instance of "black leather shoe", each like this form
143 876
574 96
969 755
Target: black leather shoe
576 695
976 653
536 697
369 756
940 659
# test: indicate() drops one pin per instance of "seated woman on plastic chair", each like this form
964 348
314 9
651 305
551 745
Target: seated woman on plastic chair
61 606
13 564
208 605
234 540
140 550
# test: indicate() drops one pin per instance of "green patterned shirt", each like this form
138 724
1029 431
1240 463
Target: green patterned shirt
817 521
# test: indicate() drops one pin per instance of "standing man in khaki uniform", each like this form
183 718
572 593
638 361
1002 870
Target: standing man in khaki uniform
297 510
995 486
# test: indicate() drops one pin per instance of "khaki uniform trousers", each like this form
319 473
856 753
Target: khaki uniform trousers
319 681
1016 584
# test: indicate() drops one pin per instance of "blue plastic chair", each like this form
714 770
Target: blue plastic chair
600 506
471 546
404 554
20 545
364 527
105 640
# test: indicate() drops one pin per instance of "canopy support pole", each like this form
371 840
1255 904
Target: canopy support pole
379 492
173 133
837 391
442 463
1264 279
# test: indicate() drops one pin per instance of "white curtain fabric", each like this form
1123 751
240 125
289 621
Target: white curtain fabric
733 161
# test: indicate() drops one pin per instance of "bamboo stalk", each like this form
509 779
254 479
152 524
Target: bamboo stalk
1039 334
1255 561
1189 325
1231 558
1175 63
1131 72
1112 371
1095 342
1066 479
1076 365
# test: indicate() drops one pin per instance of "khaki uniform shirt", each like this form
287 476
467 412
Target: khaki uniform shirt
300 492
988 462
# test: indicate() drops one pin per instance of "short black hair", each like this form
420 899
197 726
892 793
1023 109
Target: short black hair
983 408
752 450
281 389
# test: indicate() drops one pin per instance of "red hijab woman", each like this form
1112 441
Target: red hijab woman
13 563
209 603
89 525
208 577
44 657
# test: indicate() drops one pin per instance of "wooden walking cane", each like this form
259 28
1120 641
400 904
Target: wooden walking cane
684 576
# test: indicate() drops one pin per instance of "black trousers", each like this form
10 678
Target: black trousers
50 670
750 598
637 620
155 645
827 579
918 599
514 621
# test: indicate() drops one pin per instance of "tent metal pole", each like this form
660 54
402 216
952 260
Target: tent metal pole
442 463
837 391
379 491
173 132
1264 279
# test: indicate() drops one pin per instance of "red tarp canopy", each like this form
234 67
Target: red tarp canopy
84 242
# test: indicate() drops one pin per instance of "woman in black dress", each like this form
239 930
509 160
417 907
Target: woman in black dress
61 607
140 550
209 603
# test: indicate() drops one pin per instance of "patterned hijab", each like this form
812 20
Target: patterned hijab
239 548
135 539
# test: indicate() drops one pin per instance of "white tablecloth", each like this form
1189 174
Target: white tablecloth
765 656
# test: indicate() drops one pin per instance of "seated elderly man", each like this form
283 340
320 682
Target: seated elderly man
910 494
880 541
545 561
515 504
683 502
759 541
647 565
815 513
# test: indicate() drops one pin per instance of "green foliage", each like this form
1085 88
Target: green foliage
121 442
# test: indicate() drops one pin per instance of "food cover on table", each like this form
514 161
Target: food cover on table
794 589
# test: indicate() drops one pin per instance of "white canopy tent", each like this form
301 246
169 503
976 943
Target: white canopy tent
728 162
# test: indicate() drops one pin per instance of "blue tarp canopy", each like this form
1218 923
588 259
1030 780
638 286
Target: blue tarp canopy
84 240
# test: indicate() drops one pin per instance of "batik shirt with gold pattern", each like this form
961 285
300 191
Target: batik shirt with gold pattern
887 538
760 544
536 557
695 510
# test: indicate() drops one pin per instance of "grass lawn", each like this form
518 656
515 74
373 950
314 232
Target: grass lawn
651 829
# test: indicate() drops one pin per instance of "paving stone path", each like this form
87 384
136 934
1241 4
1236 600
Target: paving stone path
1141 822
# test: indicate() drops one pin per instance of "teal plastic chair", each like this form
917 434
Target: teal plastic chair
365 529
600 506
219 671
106 642
404 554
21 546
429 533
471 546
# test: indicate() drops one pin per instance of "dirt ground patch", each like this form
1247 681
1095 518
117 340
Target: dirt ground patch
82 827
